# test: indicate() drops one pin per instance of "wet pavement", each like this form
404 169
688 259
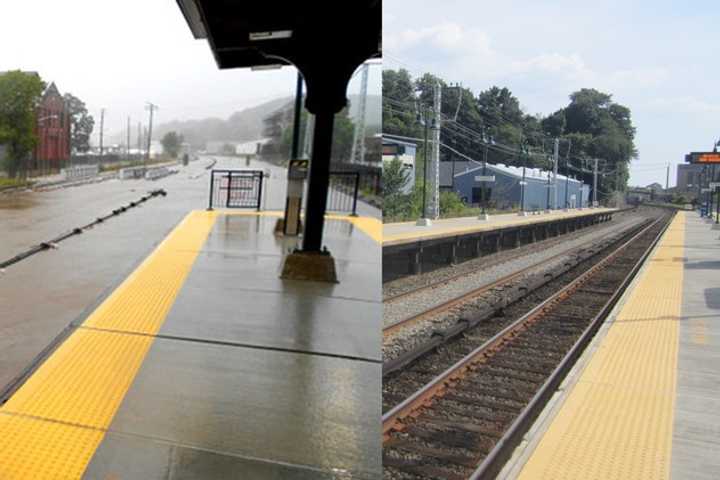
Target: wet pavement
41 295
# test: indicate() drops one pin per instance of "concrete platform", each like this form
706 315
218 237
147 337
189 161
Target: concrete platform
643 402
202 363
411 250
398 233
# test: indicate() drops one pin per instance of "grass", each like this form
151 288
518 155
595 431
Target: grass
136 163
13 183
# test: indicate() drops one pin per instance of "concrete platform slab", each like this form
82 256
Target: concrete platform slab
282 408
179 376
395 233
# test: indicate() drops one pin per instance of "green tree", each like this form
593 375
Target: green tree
19 96
81 123
395 177
172 142
598 128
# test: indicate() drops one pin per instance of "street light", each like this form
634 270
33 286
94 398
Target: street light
485 180
524 153
547 203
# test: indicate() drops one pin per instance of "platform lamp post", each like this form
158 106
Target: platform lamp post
483 188
567 183
525 156
547 203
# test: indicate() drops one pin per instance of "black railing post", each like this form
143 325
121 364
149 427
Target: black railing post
229 185
259 195
212 183
355 195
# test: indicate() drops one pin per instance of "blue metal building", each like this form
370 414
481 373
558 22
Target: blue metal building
506 191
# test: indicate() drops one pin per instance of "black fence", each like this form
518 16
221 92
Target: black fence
343 192
370 176
235 189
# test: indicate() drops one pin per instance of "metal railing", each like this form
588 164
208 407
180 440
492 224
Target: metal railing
343 192
235 189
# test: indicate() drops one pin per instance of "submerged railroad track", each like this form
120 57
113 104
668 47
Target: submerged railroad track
456 408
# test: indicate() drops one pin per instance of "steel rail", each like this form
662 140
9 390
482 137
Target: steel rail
503 449
444 336
392 420
468 296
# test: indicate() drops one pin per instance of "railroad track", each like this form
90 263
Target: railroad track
469 296
466 421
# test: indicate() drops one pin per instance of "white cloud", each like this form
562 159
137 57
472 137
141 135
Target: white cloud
448 39
684 104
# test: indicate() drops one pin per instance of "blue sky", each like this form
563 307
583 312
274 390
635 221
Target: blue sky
659 58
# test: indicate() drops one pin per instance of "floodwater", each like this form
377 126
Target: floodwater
18 201
41 295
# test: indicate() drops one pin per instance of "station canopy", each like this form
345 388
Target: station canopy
325 40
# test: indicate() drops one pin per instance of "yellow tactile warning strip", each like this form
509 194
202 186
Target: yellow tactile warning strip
616 422
372 227
452 226
50 428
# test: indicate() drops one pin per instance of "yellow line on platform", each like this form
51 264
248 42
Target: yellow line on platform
51 427
617 421
467 225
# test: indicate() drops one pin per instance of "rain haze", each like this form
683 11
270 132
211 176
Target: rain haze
120 55
653 57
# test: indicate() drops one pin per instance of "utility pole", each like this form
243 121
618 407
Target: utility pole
139 138
358 147
667 178
152 107
102 127
424 221
595 175
556 160
128 139
309 128
297 117
567 182
435 198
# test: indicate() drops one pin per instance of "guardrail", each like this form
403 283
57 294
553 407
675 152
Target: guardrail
131 173
80 172
343 192
236 189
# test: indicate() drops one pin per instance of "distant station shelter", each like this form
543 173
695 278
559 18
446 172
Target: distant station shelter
505 191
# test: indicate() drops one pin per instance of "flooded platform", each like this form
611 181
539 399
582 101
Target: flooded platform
202 363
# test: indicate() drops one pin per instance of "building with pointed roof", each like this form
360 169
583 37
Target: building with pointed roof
53 131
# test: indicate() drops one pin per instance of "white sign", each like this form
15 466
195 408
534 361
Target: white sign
522 183
485 178
714 185
705 190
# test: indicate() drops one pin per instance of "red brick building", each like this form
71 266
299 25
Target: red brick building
53 130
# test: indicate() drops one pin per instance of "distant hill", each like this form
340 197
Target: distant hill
241 126
247 124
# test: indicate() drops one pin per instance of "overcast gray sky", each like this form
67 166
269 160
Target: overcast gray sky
657 57
118 55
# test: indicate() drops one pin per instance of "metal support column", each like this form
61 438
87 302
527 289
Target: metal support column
318 183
